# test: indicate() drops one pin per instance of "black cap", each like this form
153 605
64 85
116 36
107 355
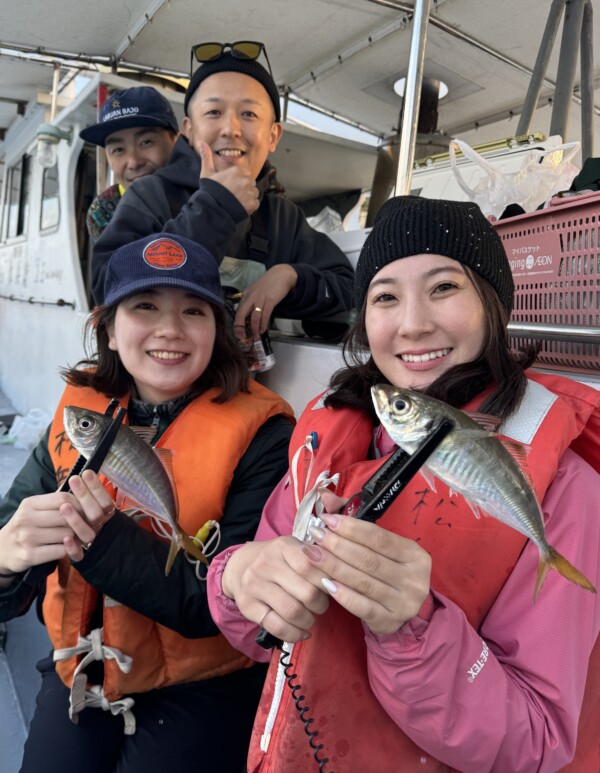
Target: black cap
229 63
139 106
411 225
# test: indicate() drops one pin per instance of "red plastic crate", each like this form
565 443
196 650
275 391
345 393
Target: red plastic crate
554 255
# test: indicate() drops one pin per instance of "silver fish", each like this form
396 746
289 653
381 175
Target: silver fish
473 462
135 469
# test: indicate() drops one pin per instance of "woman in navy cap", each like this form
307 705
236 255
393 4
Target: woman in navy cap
140 678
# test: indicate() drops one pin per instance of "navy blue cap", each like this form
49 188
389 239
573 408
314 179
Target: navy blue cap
139 106
162 260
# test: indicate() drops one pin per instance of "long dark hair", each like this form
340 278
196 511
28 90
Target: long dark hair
497 366
103 371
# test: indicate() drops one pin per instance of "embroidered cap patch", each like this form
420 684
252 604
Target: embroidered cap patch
165 254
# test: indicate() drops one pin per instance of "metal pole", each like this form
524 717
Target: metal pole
55 83
540 67
550 332
587 83
565 81
412 97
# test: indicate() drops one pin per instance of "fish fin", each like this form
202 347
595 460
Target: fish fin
459 437
125 502
130 506
144 433
554 560
165 457
519 452
475 508
487 422
429 478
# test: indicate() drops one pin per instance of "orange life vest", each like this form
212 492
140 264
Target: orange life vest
208 440
355 730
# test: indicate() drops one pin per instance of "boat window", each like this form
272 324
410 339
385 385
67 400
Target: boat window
50 209
17 197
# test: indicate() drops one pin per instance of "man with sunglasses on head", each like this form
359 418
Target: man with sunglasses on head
137 128
218 189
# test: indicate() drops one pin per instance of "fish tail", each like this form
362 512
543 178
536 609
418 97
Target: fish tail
173 550
179 541
554 560
193 549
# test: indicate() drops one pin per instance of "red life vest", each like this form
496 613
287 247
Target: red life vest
355 730
208 439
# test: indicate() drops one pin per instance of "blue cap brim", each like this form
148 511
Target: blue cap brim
139 285
98 132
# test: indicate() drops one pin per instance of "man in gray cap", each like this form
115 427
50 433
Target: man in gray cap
220 190
137 129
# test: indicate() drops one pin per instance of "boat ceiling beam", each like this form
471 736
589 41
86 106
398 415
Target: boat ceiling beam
138 27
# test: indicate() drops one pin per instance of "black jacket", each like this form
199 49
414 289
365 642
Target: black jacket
127 563
176 201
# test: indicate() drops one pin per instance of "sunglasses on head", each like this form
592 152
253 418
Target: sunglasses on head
242 49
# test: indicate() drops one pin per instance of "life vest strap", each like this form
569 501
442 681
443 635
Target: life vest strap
93 648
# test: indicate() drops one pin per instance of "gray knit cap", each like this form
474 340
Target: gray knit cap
411 225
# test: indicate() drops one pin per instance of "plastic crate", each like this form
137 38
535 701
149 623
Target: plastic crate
554 255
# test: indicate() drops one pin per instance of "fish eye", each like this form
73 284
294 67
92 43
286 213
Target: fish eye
85 423
399 405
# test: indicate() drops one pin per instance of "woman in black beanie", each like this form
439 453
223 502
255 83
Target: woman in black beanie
416 645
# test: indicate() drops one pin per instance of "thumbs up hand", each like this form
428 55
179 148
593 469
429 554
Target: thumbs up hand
236 177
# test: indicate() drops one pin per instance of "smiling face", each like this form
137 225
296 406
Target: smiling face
133 153
233 114
423 316
164 338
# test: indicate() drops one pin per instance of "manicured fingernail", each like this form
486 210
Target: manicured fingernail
313 553
330 519
316 533
329 585
75 483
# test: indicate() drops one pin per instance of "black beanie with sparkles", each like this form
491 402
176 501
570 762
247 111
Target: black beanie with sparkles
411 225
229 63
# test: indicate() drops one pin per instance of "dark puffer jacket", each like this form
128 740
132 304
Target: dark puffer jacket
176 201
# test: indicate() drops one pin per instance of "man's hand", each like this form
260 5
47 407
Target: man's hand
237 177
259 300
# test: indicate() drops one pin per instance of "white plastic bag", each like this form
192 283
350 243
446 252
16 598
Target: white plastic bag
326 221
26 431
543 173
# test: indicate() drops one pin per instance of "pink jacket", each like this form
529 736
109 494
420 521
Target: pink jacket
503 698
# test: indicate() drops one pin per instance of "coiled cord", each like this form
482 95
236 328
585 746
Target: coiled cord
304 710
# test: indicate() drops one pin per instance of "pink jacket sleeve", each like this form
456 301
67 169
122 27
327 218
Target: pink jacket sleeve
277 520
506 698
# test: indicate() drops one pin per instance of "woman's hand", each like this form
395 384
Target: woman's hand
35 534
92 508
378 576
274 584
